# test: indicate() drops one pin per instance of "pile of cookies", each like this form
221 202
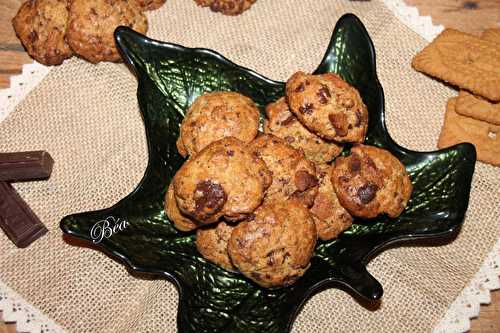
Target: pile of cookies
259 201
226 7
54 30
472 64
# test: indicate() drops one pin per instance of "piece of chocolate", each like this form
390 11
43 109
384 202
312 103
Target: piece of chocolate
17 219
27 165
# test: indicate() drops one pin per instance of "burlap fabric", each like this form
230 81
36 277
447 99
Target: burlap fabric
87 117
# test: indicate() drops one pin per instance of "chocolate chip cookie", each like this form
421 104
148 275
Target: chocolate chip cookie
214 116
92 23
371 181
282 123
150 4
180 221
41 26
226 7
224 179
293 175
328 106
275 246
211 242
329 216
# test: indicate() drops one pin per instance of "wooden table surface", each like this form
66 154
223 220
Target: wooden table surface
470 16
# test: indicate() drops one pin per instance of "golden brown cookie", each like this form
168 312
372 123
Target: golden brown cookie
463 60
371 181
213 116
478 108
492 35
282 123
293 175
92 24
224 179
180 221
484 136
150 4
211 242
275 247
329 216
226 7
328 106
41 26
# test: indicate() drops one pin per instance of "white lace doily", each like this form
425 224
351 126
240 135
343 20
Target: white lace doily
28 319
456 319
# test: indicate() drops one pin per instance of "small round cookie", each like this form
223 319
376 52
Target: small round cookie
213 116
371 181
150 4
92 23
328 106
293 175
41 26
275 246
329 216
211 242
180 221
224 179
226 7
282 123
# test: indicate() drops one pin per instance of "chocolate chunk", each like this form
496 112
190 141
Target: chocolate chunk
304 180
290 120
306 108
359 119
28 165
289 139
230 153
17 220
355 164
300 87
339 122
209 198
324 94
367 192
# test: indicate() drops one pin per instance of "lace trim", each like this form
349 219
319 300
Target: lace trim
409 15
20 86
28 319
468 304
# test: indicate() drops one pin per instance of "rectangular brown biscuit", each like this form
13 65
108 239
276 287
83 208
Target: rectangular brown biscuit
463 60
478 108
492 35
484 136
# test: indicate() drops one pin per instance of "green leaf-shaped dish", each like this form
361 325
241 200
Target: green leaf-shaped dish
211 299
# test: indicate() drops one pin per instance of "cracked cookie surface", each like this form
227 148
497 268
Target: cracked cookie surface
211 242
224 179
371 181
282 123
274 247
328 106
216 115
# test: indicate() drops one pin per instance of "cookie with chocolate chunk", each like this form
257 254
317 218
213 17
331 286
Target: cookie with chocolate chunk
150 4
180 221
223 179
92 23
226 7
294 176
216 115
275 246
211 242
329 216
41 26
371 181
328 106
282 123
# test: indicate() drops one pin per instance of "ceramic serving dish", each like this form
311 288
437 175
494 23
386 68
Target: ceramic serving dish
211 300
